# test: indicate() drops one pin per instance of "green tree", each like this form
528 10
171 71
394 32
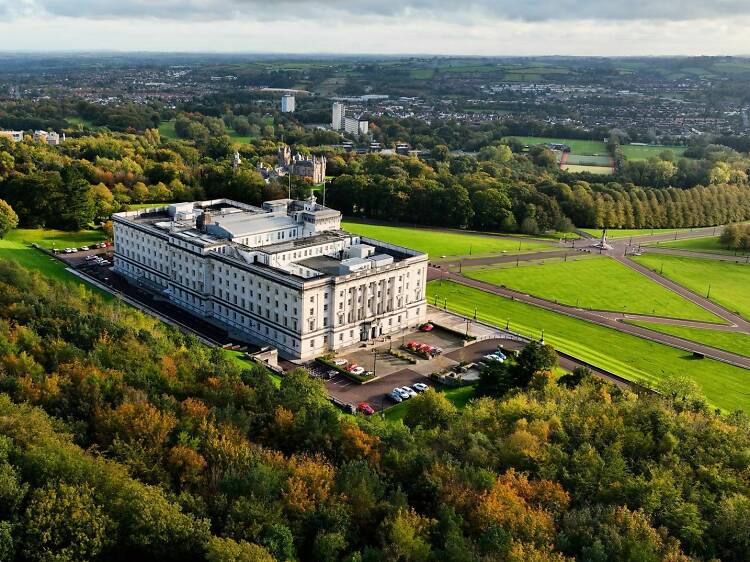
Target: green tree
228 550
8 218
62 523
534 357
430 409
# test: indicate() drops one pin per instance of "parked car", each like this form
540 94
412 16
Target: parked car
365 408
401 393
90 258
395 396
500 354
340 362
357 370
409 391
420 386
493 359
330 374
84 248
426 327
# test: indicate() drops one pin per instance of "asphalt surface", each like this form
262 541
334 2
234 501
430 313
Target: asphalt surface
374 393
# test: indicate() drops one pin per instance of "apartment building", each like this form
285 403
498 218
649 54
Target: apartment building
284 274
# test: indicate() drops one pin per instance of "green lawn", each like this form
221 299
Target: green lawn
729 282
628 232
459 397
439 243
595 282
629 356
16 246
728 341
582 147
166 130
709 244
236 357
637 152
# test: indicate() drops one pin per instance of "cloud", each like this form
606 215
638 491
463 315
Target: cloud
322 11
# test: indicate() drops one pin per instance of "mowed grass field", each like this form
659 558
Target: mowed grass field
644 152
595 282
729 281
629 356
619 233
439 243
720 339
582 147
582 168
16 246
706 244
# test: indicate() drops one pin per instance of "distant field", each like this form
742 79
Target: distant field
728 341
638 152
444 243
577 169
166 130
74 120
583 160
729 282
594 282
629 356
628 232
580 147
708 244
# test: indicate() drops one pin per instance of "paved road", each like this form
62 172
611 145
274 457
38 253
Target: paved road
374 393
597 318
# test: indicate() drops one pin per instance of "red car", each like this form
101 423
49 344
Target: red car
426 327
365 408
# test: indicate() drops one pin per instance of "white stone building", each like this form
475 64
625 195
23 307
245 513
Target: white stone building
288 103
338 112
284 275
47 137
15 136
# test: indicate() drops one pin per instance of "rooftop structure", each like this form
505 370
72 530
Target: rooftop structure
283 274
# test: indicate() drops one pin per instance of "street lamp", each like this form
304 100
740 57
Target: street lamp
374 360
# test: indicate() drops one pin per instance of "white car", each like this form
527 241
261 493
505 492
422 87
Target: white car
90 258
401 393
340 362
420 386
492 358
409 391
84 248
357 370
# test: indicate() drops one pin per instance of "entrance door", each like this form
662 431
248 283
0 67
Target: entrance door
363 333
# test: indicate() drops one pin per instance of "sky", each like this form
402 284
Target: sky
465 27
